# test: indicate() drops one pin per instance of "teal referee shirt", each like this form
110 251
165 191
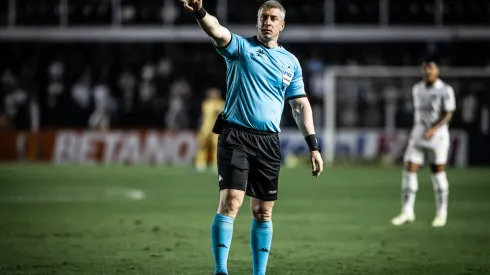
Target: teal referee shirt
258 81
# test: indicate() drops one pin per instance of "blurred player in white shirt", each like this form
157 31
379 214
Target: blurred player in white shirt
434 104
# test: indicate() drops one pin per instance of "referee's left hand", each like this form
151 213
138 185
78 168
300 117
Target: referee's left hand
316 163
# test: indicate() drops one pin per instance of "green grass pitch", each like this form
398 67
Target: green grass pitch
89 220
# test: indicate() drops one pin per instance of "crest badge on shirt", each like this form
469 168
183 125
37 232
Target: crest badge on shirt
287 77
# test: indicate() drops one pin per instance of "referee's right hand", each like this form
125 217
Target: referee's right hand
192 5
316 163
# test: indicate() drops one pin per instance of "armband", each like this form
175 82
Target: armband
313 143
199 14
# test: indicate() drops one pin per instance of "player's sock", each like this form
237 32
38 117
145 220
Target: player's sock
441 189
260 243
409 190
221 234
201 159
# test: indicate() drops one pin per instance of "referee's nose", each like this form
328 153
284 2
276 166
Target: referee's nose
267 22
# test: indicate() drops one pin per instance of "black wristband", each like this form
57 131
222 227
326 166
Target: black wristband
312 143
199 14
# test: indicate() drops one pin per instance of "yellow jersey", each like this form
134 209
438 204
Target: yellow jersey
210 110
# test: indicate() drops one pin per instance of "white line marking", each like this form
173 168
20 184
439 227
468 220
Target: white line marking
82 194
136 195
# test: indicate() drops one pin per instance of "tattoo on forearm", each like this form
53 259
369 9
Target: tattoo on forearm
446 118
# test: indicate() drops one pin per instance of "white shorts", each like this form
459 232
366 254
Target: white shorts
435 154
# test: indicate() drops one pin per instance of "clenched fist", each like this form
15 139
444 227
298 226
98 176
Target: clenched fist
192 5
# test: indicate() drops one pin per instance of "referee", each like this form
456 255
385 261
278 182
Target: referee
260 75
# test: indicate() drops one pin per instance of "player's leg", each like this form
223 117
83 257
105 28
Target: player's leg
263 189
222 227
260 234
440 183
413 158
201 152
233 175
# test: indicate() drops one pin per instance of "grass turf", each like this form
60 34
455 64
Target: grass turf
95 220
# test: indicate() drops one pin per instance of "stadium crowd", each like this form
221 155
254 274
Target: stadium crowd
161 85
101 85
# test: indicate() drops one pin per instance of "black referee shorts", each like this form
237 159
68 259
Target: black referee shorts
249 160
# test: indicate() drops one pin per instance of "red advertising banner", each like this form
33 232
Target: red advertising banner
26 145
125 147
159 147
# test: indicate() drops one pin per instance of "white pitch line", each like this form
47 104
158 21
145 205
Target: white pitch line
83 194
136 195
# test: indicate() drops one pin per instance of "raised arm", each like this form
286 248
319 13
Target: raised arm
220 35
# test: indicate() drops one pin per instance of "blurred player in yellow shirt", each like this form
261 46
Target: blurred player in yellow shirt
207 141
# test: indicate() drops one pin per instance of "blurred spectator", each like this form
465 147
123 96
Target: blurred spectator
16 103
170 12
127 89
82 97
55 100
469 108
104 107
147 95
176 117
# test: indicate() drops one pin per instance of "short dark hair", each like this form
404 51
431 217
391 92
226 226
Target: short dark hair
431 58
